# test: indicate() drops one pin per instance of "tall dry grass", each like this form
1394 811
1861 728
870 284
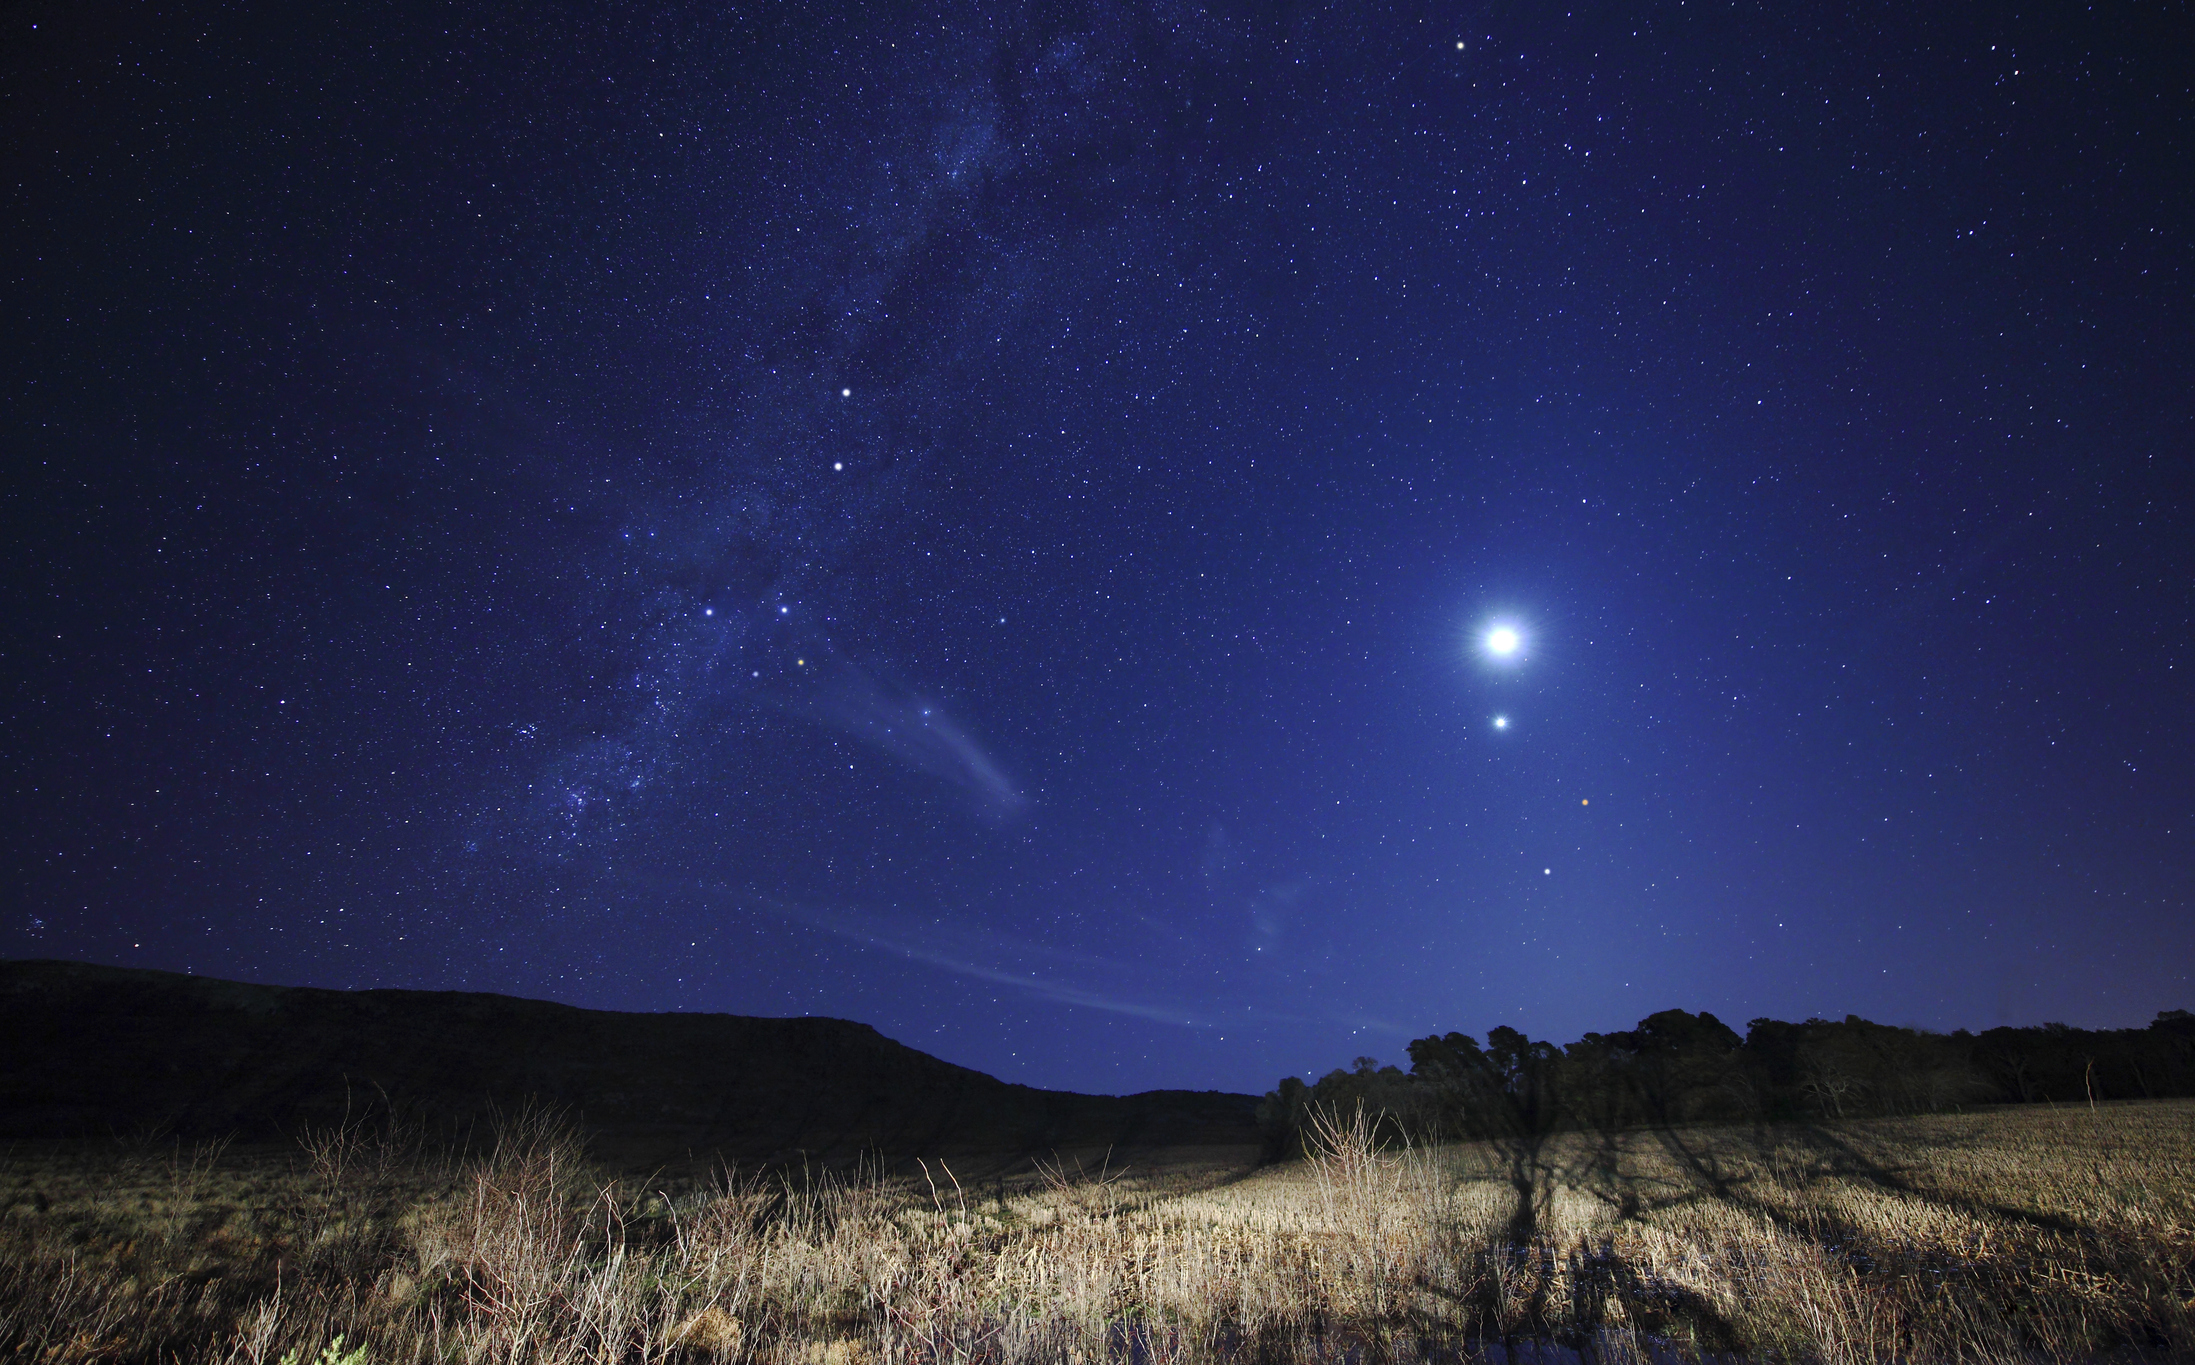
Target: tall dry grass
2019 1235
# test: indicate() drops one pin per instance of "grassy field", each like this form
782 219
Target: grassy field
2053 1235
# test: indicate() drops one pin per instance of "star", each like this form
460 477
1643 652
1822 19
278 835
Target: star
1503 640
1501 722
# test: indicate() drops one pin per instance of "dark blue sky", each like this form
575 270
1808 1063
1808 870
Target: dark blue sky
984 520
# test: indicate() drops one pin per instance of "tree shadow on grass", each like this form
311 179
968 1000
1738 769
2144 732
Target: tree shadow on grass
1851 1161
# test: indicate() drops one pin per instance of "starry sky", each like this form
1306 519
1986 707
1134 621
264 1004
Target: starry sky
990 520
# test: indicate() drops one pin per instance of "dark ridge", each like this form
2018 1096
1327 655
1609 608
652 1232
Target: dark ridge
93 1051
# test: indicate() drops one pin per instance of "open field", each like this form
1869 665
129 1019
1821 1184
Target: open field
2017 1234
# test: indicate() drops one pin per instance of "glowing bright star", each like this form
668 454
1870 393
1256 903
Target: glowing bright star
708 611
838 464
845 393
1501 722
1503 640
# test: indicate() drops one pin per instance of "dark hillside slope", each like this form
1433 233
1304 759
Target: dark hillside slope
87 1050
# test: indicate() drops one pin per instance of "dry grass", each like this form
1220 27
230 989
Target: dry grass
2017 1235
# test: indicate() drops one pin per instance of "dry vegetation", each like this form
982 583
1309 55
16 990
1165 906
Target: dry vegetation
2042 1235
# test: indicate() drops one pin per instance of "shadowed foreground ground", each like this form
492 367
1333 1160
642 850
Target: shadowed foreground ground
2045 1235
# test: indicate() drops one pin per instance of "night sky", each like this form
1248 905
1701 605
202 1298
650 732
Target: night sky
992 521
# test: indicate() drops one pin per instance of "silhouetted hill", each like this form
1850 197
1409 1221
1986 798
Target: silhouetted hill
93 1050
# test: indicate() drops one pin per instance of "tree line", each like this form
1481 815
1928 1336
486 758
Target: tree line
1677 1068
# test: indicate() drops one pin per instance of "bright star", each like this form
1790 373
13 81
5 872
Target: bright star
1501 722
1503 640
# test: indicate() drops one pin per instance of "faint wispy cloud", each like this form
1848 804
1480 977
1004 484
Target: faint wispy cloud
936 950
914 729
963 950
